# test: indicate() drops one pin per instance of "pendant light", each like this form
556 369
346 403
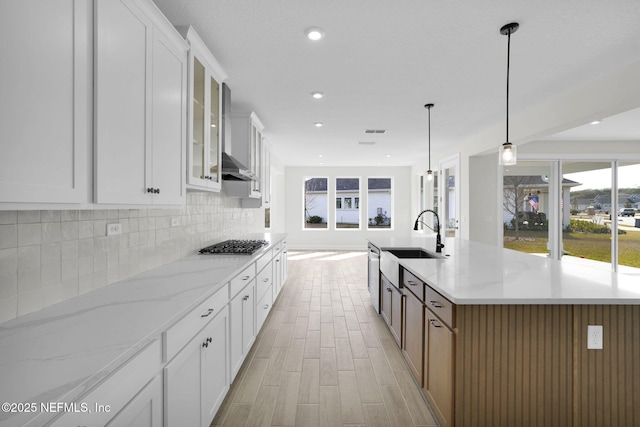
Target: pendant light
429 172
508 150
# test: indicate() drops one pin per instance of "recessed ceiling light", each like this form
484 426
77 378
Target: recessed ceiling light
318 124
388 155
319 155
317 95
213 125
595 122
314 33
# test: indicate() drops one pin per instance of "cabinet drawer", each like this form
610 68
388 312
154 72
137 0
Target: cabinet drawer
440 306
117 390
264 280
277 248
241 280
263 260
263 308
415 285
178 335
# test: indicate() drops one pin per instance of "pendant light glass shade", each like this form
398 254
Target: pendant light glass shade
429 175
508 155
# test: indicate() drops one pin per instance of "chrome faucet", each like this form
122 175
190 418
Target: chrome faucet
439 244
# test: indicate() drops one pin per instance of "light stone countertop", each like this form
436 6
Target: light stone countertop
475 273
58 353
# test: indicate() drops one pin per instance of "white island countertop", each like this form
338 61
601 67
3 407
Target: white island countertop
475 273
58 353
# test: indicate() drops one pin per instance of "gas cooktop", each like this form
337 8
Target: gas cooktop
235 247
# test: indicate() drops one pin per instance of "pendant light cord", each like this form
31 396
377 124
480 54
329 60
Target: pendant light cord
508 57
429 138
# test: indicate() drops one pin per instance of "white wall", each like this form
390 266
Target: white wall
330 238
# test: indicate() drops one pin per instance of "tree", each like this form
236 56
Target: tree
516 189
311 187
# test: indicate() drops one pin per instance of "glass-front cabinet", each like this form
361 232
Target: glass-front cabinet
204 150
256 157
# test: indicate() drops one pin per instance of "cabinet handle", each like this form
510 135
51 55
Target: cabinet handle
388 289
209 311
156 191
434 323
149 190
411 282
245 278
246 297
209 339
435 304
266 279
205 344
266 306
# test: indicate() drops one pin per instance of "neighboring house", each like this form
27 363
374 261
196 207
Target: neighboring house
532 195
581 204
602 202
315 198
379 195
348 200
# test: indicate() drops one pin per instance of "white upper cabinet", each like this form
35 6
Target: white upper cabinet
247 147
140 103
204 149
45 101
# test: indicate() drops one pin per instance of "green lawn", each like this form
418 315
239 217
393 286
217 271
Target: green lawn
587 245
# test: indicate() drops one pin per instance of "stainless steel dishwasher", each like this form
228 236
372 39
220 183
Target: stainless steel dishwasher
373 282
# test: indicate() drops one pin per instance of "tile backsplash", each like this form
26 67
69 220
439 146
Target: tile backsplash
50 256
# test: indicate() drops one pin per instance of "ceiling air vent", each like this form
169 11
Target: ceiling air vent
375 131
366 142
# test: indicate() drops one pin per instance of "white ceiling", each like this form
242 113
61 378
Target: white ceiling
381 61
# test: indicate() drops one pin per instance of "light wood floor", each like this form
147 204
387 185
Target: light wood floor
324 356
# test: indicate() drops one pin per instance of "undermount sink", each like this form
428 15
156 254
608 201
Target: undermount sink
412 253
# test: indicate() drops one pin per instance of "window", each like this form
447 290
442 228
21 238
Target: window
578 211
356 202
628 215
526 203
379 212
315 203
347 215
586 209
338 203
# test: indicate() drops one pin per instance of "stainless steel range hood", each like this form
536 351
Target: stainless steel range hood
232 169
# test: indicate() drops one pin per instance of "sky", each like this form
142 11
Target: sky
628 177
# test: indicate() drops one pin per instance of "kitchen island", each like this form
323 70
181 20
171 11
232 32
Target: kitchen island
497 337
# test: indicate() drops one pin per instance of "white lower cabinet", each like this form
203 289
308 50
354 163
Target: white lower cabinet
122 395
263 308
145 410
197 379
264 280
242 315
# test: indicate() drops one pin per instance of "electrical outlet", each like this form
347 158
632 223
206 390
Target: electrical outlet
594 337
113 229
175 222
